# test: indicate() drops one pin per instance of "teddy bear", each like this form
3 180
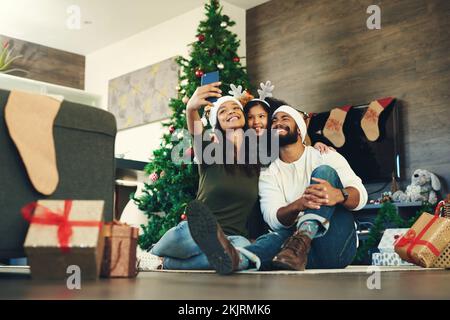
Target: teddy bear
423 187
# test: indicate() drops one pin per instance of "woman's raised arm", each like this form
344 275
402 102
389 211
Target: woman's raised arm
197 101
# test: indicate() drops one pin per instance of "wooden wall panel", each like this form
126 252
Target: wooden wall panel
320 54
48 64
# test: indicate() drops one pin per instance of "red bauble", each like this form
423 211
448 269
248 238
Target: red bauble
236 59
189 152
201 37
171 129
183 217
199 73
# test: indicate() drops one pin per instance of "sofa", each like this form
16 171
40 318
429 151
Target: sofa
84 142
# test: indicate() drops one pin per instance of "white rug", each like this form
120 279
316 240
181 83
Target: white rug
349 269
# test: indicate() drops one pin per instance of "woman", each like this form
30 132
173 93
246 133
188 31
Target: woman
229 190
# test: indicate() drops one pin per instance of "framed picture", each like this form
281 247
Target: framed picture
142 96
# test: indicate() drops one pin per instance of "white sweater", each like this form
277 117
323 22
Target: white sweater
283 183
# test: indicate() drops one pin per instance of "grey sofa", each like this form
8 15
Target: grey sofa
84 141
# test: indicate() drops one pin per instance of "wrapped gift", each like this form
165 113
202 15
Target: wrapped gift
425 241
388 259
119 259
386 244
64 233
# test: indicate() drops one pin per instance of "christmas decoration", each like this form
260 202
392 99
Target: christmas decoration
171 192
236 59
333 129
153 177
199 73
220 66
369 122
201 37
171 129
183 217
223 24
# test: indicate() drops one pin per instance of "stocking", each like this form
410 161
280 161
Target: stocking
333 129
29 118
369 122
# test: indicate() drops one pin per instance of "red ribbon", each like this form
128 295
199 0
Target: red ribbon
412 240
48 217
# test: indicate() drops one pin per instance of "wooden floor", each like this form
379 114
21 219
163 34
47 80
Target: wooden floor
17 284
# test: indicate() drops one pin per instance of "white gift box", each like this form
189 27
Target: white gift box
388 259
386 244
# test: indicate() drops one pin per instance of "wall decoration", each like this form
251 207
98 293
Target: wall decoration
143 96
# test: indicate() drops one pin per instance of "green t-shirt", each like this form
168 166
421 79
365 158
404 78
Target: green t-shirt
232 197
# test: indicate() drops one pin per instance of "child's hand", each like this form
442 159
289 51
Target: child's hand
323 148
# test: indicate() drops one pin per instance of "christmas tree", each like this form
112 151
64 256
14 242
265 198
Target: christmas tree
174 183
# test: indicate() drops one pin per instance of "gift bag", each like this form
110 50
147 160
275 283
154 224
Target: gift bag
64 233
444 259
119 259
425 241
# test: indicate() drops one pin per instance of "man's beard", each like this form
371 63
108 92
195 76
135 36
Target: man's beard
290 138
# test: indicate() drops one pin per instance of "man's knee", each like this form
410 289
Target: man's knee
327 173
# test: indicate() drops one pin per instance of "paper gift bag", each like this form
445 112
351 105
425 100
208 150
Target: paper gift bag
64 233
425 241
119 258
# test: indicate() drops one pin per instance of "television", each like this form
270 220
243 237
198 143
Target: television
373 162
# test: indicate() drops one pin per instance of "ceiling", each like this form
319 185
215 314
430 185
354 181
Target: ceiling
103 22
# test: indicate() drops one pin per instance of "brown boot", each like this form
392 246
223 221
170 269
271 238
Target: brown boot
208 234
294 254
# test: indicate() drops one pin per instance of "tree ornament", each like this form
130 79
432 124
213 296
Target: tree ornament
189 152
171 129
201 37
153 177
183 217
199 73
223 24
178 88
220 66
236 59
185 99
163 173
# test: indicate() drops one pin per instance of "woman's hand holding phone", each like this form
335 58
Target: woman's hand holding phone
201 94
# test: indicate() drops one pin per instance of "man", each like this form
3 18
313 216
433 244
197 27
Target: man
306 198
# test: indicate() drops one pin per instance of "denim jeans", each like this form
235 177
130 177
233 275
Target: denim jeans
180 251
334 247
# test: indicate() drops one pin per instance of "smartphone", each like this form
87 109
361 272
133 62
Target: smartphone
208 78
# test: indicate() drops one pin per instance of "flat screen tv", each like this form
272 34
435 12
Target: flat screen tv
374 161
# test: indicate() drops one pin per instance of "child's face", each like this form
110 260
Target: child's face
257 119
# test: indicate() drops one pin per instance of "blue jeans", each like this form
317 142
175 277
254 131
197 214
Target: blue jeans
335 247
180 251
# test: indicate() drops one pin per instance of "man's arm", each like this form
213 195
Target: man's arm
331 196
287 214
357 193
